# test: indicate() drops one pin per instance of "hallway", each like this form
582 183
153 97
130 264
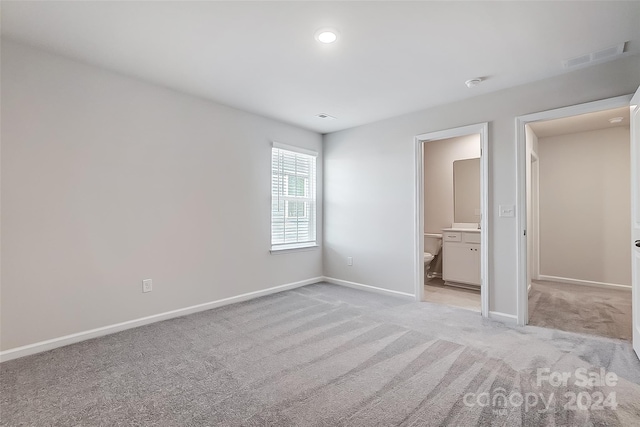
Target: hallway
582 309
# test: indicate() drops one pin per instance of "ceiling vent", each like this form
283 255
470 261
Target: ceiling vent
325 116
600 55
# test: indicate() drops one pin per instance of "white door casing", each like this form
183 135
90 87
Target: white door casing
521 190
483 130
533 252
635 219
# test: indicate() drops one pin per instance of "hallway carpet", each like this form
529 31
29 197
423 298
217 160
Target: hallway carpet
583 309
325 355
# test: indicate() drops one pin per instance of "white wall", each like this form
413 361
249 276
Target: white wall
370 182
439 156
585 219
107 180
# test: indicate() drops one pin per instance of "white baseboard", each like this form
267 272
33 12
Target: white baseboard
367 287
41 346
503 317
582 282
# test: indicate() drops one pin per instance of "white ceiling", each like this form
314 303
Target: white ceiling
581 123
391 58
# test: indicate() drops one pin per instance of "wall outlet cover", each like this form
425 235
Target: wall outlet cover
147 285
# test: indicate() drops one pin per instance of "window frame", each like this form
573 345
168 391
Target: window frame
309 199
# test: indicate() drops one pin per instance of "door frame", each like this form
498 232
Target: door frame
522 308
535 201
635 219
483 130
533 232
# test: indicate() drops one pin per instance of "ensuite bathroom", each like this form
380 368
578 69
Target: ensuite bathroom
452 219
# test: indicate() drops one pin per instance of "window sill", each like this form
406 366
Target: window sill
286 250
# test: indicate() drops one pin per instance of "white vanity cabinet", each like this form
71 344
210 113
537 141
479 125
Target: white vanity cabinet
461 256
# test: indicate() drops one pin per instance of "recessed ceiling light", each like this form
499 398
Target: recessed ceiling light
615 120
473 82
326 35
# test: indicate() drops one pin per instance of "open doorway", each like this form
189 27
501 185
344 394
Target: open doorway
576 269
451 230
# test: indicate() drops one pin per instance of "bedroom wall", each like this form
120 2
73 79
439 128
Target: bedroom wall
585 209
108 180
370 179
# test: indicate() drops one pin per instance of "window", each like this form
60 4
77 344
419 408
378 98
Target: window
293 197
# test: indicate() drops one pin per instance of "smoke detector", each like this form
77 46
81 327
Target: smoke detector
473 82
325 116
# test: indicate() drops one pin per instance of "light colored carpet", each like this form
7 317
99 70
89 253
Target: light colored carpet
321 355
583 309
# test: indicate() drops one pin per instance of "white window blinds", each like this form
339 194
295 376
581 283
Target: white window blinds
293 197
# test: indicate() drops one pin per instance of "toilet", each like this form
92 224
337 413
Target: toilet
432 247
427 260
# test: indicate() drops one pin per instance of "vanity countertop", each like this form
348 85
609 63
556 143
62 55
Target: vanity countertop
466 230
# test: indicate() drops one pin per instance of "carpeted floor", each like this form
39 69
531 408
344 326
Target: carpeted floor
583 309
325 355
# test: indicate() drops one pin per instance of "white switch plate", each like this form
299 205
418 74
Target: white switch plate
147 285
349 260
507 211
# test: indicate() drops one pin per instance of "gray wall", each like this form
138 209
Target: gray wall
370 182
107 180
439 156
585 208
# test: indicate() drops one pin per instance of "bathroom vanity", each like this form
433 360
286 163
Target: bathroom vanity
461 257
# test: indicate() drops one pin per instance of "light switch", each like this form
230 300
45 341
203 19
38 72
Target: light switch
507 211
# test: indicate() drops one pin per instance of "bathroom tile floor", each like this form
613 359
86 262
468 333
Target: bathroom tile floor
435 291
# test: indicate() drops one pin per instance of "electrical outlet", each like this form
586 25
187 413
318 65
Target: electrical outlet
349 260
147 285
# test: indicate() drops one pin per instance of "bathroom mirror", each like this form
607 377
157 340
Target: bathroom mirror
466 190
